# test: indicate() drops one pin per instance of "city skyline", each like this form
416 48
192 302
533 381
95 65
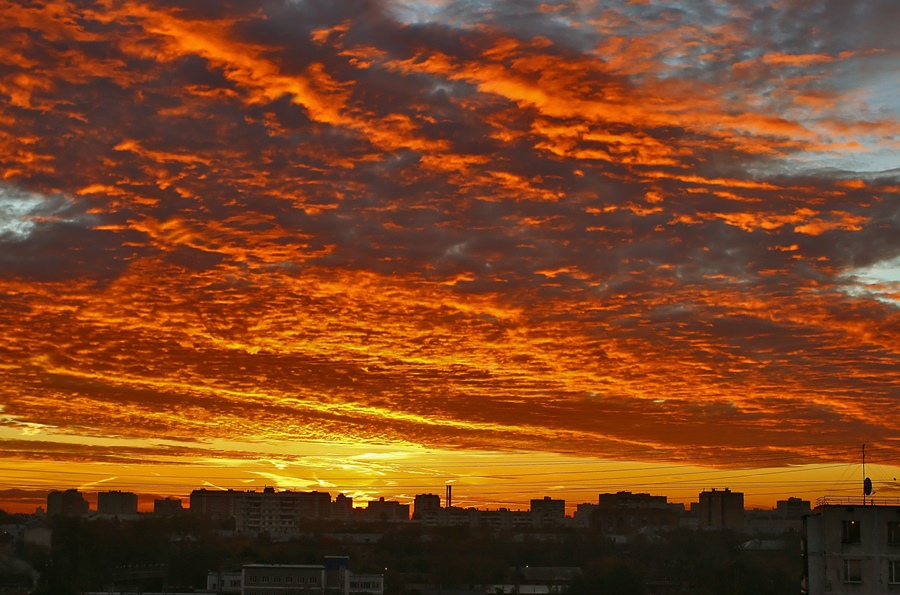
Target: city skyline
521 247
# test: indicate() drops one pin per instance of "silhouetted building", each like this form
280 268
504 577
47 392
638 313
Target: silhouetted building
425 503
116 502
625 512
218 504
583 513
342 507
70 502
386 510
792 508
548 512
167 506
720 508
267 512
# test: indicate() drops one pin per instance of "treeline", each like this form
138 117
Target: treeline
176 554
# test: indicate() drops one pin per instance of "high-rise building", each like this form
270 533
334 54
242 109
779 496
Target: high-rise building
167 506
625 512
548 511
217 504
387 510
425 503
342 507
721 509
792 508
116 502
70 502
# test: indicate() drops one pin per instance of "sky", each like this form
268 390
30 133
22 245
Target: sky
377 247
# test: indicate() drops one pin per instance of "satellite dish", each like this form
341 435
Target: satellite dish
867 486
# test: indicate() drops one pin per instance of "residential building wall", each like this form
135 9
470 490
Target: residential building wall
272 579
721 509
387 510
852 548
70 502
625 512
366 584
425 503
167 506
218 504
793 508
548 511
224 582
116 502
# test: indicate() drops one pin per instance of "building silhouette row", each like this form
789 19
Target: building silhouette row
848 545
283 513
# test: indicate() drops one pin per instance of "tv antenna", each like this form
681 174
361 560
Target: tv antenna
867 483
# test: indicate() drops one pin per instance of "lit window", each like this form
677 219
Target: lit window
850 532
852 571
894 533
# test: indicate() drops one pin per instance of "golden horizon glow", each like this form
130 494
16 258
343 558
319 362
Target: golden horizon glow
633 236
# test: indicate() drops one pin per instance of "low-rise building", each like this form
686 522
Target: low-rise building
274 579
331 578
852 548
366 584
224 582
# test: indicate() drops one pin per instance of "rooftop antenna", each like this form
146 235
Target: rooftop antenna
867 483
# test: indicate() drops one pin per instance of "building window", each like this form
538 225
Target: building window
852 571
850 532
894 533
894 572
276 579
313 580
288 579
265 579
252 579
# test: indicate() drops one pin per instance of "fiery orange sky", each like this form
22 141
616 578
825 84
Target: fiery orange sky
378 246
